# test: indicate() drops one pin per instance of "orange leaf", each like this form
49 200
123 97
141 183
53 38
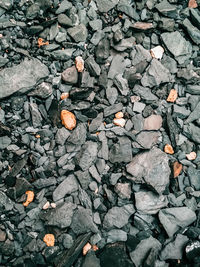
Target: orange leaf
68 119
169 149
172 96
177 168
29 199
49 239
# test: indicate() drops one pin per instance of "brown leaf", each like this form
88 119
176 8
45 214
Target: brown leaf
177 168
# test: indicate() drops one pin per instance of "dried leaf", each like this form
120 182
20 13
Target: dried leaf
29 199
68 119
172 96
177 168
169 149
49 239
86 248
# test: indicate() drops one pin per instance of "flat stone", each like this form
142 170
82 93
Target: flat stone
124 44
125 7
140 54
155 74
153 122
142 26
173 219
92 66
61 136
194 175
177 45
6 203
35 115
64 20
5 141
195 16
117 66
116 235
192 132
65 54
180 112
70 75
145 93
82 221
64 6
123 190
112 109
104 6
122 151
118 216
61 216
166 9
193 89
193 32
22 78
121 84
149 203
78 33
78 136
68 186
43 90
146 140
102 50
175 249
150 168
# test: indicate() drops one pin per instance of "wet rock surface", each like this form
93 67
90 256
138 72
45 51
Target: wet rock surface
99 133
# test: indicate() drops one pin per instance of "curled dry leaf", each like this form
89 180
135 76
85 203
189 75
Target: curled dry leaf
86 248
64 96
192 4
169 149
119 115
79 63
49 239
119 122
177 167
41 42
191 156
172 96
29 199
157 52
68 119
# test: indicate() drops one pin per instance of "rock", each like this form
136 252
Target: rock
157 52
92 66
166 9
78 136
116 235
174 250
121 84
173 219
91 260
125 7
67 240
2 235
22 78
193 89
65 54
5 203
117 66
122 151
95 123
149 203
181 112
194 115
150 168
7 248
123 190
3 61
61 216
118 216
68 186
143 249
5 141
124 44
140 54
102 50
142 26
43 90
104 6
78 33
146 140
155 74
192 132
64 6
70 75
87 155
153 122
64 20
6 4
192 250
177 45
112 109
193 32
194 175
145 93
36 116
195 16
82 221
68 119
62 135
169 63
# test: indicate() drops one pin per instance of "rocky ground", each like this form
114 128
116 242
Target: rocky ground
99 133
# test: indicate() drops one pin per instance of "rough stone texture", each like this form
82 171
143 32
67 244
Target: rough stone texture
118 216
70 75
62 135
150 168
146 140
68 186
116 235
177 45
61 216
122 151
192 132
22 78
192 31
173 219
149 203
79 33
104 6
153 122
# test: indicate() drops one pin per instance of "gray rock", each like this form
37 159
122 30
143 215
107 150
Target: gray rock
121 84
155 74
78 33
92 66
43 90
111 94
166 9
122 151
64 6
193 32
195 16
145 93
174 250
22 78
82 221
64 20
61 216
153 122
5 141
146 139
194 175
150 168
117 66
124 44
70 75
123 190
87 155
6 4
35 115
61 136
177 45
112 109
96 24
140 54
169 63
84 178
84 199
78 136
143 249
193 89
67 240
3 61
104 6
103 152
125 7
95 123
180 112
41 183
94 173
173 219
149 203
138 107
103 50
118 216
91 260
195 115
192 132
65 54
5 203
116 235
68 186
